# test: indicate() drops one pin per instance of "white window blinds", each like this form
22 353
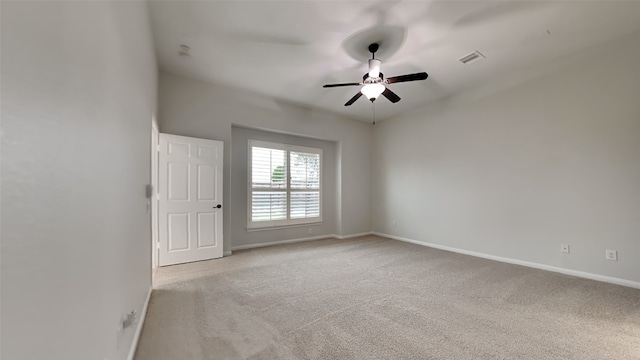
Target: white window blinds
285 184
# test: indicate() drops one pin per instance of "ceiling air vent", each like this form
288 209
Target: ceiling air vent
471 58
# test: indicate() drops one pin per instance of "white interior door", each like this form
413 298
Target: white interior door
190 211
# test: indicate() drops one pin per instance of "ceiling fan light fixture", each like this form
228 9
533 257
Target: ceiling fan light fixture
372 91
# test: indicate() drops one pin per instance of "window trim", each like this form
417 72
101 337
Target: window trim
273 224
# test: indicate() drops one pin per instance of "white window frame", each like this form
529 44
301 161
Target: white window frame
287 222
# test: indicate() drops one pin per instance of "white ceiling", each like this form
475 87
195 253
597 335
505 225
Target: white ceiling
289 49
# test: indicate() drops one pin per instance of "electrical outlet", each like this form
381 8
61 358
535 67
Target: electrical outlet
310 231
394 224
611 255
564 248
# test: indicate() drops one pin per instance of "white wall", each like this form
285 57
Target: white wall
239 170
193 108
78 93
555 160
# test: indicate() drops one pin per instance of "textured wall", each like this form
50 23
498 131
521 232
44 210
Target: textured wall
198 109
551 161
239 188
78 93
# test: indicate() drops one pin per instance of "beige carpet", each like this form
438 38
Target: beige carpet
374 298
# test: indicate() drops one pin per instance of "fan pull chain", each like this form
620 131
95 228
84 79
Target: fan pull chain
373 107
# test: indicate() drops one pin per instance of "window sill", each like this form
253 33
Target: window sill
282 227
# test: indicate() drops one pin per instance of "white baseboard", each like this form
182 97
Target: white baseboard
342 237
227 253
292 241
281 242
143 316
582 274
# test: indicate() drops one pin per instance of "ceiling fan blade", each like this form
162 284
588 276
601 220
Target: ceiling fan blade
343 84
353 99
391 95
408 77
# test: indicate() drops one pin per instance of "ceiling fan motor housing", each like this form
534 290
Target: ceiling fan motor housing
374 67
367 79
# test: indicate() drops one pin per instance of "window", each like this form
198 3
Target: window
284 185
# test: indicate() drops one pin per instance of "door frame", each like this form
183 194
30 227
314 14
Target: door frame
155 149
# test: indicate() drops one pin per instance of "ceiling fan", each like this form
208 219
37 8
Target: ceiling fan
373 83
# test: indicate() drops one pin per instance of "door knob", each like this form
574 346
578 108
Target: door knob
218 206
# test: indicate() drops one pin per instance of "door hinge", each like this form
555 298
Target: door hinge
158 245
158 148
